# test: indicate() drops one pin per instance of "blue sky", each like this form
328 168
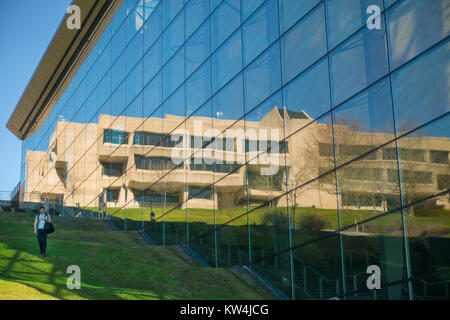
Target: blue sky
26 29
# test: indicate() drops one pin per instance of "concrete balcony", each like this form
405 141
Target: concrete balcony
138 179
113 152
106 182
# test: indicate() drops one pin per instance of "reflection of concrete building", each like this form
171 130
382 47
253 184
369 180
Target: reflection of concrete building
84 160
118 158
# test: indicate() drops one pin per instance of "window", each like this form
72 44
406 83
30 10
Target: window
157 163
112 169
361 174
326 150
147 138
112 195
115 136
410 177
201 164
443 181
153 196
439 156
356 150
389 154
200 193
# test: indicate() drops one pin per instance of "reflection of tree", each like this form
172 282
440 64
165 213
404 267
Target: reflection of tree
229 201
71 185
351 141
412 156
316 156
168 188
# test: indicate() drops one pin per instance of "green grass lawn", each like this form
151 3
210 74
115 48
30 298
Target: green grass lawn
348 217
114 265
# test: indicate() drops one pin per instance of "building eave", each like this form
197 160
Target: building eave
61 61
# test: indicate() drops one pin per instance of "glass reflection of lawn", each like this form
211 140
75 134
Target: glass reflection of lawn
433 221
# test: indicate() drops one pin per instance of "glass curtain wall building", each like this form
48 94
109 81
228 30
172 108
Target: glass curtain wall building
283 135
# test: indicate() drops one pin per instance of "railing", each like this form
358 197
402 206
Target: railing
15 191
426 286
5 195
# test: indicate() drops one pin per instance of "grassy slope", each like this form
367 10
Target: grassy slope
114 265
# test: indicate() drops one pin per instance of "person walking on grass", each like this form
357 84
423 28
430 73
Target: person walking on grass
39 223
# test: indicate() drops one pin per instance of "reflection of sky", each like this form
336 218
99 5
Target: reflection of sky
371 110
439 128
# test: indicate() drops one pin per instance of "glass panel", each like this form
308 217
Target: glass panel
293 10
249 6
263 77
152 61
357 63
152 28
197 48
426 21
227 61
197 11
345 17
364 123
258 31
224 21
172 75
198 87
308 96
303 44
173 37
170 9
229 102
421 91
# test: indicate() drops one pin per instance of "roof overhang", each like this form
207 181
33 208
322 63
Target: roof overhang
64 56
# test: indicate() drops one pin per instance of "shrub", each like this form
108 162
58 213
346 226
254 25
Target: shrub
313 223
277 219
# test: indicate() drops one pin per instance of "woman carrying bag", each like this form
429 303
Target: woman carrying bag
43 225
